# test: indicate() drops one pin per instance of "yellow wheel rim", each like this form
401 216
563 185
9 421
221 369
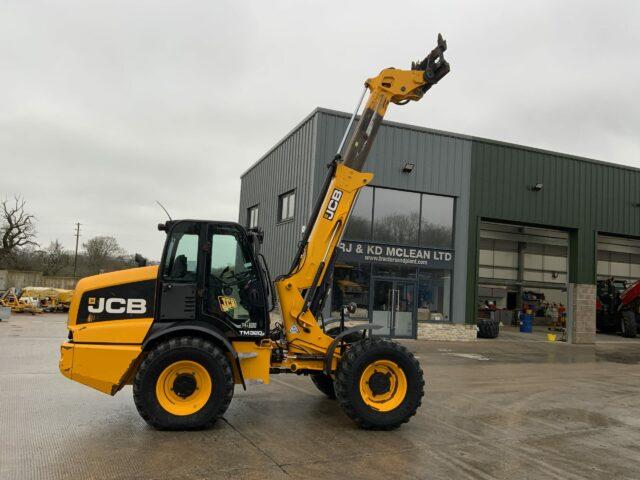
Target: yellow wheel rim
183 388
383 385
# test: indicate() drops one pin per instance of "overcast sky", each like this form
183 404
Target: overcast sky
107 106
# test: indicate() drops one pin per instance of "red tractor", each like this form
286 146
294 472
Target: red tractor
618 307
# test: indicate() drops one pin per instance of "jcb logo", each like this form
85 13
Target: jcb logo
332 206
227 303
117 305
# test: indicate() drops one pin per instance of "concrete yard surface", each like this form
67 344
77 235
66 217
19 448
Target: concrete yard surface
509 408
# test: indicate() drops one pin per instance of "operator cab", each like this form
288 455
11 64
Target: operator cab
212 273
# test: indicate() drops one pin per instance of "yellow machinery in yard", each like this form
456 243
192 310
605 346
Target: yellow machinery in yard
51 299
18 304
186 331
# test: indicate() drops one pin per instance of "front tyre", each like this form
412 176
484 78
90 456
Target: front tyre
628 325
185 383
379 384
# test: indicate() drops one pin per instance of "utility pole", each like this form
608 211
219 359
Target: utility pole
75 258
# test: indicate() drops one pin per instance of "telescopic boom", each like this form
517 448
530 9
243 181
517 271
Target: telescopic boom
302 291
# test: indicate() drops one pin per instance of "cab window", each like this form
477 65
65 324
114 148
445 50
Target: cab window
182 255
234 286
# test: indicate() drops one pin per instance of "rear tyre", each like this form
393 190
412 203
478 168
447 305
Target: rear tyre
185 383
488 328
324 383
379 384
628 324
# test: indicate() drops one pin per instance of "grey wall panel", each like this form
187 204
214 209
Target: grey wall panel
285 167
440 159
442 166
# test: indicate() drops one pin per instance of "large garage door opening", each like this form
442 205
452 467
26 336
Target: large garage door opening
523 269
619 258
618 297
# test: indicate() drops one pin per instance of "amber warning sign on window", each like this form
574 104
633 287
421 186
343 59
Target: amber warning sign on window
227 303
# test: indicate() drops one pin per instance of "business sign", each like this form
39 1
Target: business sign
349 251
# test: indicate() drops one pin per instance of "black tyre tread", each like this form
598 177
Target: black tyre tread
176 343
345 370
488 328
324 383
349 338
630 327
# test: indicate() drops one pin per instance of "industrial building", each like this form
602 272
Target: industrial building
452 225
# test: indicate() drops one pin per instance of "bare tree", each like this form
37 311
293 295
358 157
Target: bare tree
17 227
101 251
54 258
398 228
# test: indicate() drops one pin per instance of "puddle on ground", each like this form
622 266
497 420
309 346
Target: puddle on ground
472 356
570 418
566 416
628 357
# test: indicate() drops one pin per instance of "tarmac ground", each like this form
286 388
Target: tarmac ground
517 407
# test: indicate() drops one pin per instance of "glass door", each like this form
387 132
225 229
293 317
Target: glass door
381 307
393 308
403 312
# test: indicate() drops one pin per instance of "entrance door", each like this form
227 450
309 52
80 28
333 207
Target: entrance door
393 308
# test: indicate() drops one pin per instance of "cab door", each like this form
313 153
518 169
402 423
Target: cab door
234 289
179 275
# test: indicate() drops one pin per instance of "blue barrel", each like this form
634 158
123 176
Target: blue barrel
526 323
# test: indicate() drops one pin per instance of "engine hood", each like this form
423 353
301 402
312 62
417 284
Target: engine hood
120 295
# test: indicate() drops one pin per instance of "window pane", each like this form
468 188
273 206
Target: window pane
234 289
184 262
226 255
253 217
283 208
437 221
396 216
287 203
359 225
351 284
434 295
292 204
394 271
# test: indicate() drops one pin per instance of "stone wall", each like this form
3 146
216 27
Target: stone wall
583 308
446 331
20 279
452 332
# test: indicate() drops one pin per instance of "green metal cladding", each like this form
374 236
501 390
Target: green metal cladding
581 196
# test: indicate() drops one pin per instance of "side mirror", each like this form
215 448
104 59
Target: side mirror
140 260
256 234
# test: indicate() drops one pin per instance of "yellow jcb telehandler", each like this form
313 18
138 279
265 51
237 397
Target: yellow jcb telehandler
186 331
